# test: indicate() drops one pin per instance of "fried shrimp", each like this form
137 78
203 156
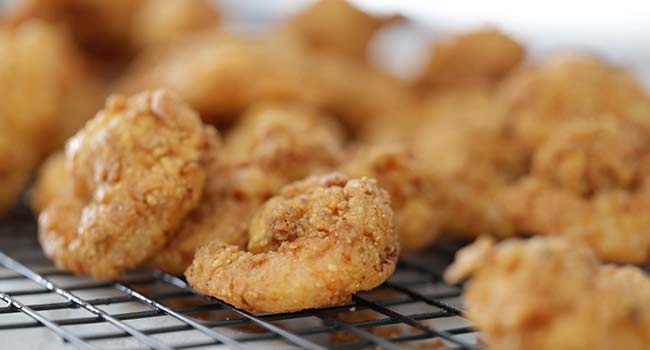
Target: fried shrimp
53 182
116 29
332 236
159 22
588 181
137 171
221 74
481 57
551 293
540 97
585 156
336 26
287 141
413 196
16 164
463 142
272 145
233 192
65 92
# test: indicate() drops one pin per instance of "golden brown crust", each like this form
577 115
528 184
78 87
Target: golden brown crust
117 29
568 87
159 22
414 197
221 74
16 163
463 144
137 170
53 182
334 237
336 26
590 156
42 101
288 141
272 145
480 57
551 293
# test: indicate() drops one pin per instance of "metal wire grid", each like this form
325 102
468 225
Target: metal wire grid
154 310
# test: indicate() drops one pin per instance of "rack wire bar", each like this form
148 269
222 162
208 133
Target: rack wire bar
304 343
49 324
20 268
157 310
205 330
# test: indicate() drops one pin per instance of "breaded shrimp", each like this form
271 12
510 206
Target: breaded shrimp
540 97
271 146
588 182
45 95
586 156
336 26
287 141
66 93
551 293
159 22
333 237
414 197
53 182
117 29
16 164
479 57
232 194
221 74
137 170
463 143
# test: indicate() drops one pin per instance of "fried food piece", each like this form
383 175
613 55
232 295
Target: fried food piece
464 144
358 94
16 163
479 57
221 74
613 223
101 27
334 237
137 171
570 87
586 156
119 28
287 141
413 196
551 293
42 101
588 181
336 26
233 192
67 94
53 182
271 146
158 22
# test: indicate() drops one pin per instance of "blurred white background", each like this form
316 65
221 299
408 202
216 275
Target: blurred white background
618 31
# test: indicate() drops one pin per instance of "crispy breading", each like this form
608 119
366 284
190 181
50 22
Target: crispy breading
45 96
480 57
336 26
137 170
222 74
53 182
114 29
334 236
552 293
540 97
288 141
413 196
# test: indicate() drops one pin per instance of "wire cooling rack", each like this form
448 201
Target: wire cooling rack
42 307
